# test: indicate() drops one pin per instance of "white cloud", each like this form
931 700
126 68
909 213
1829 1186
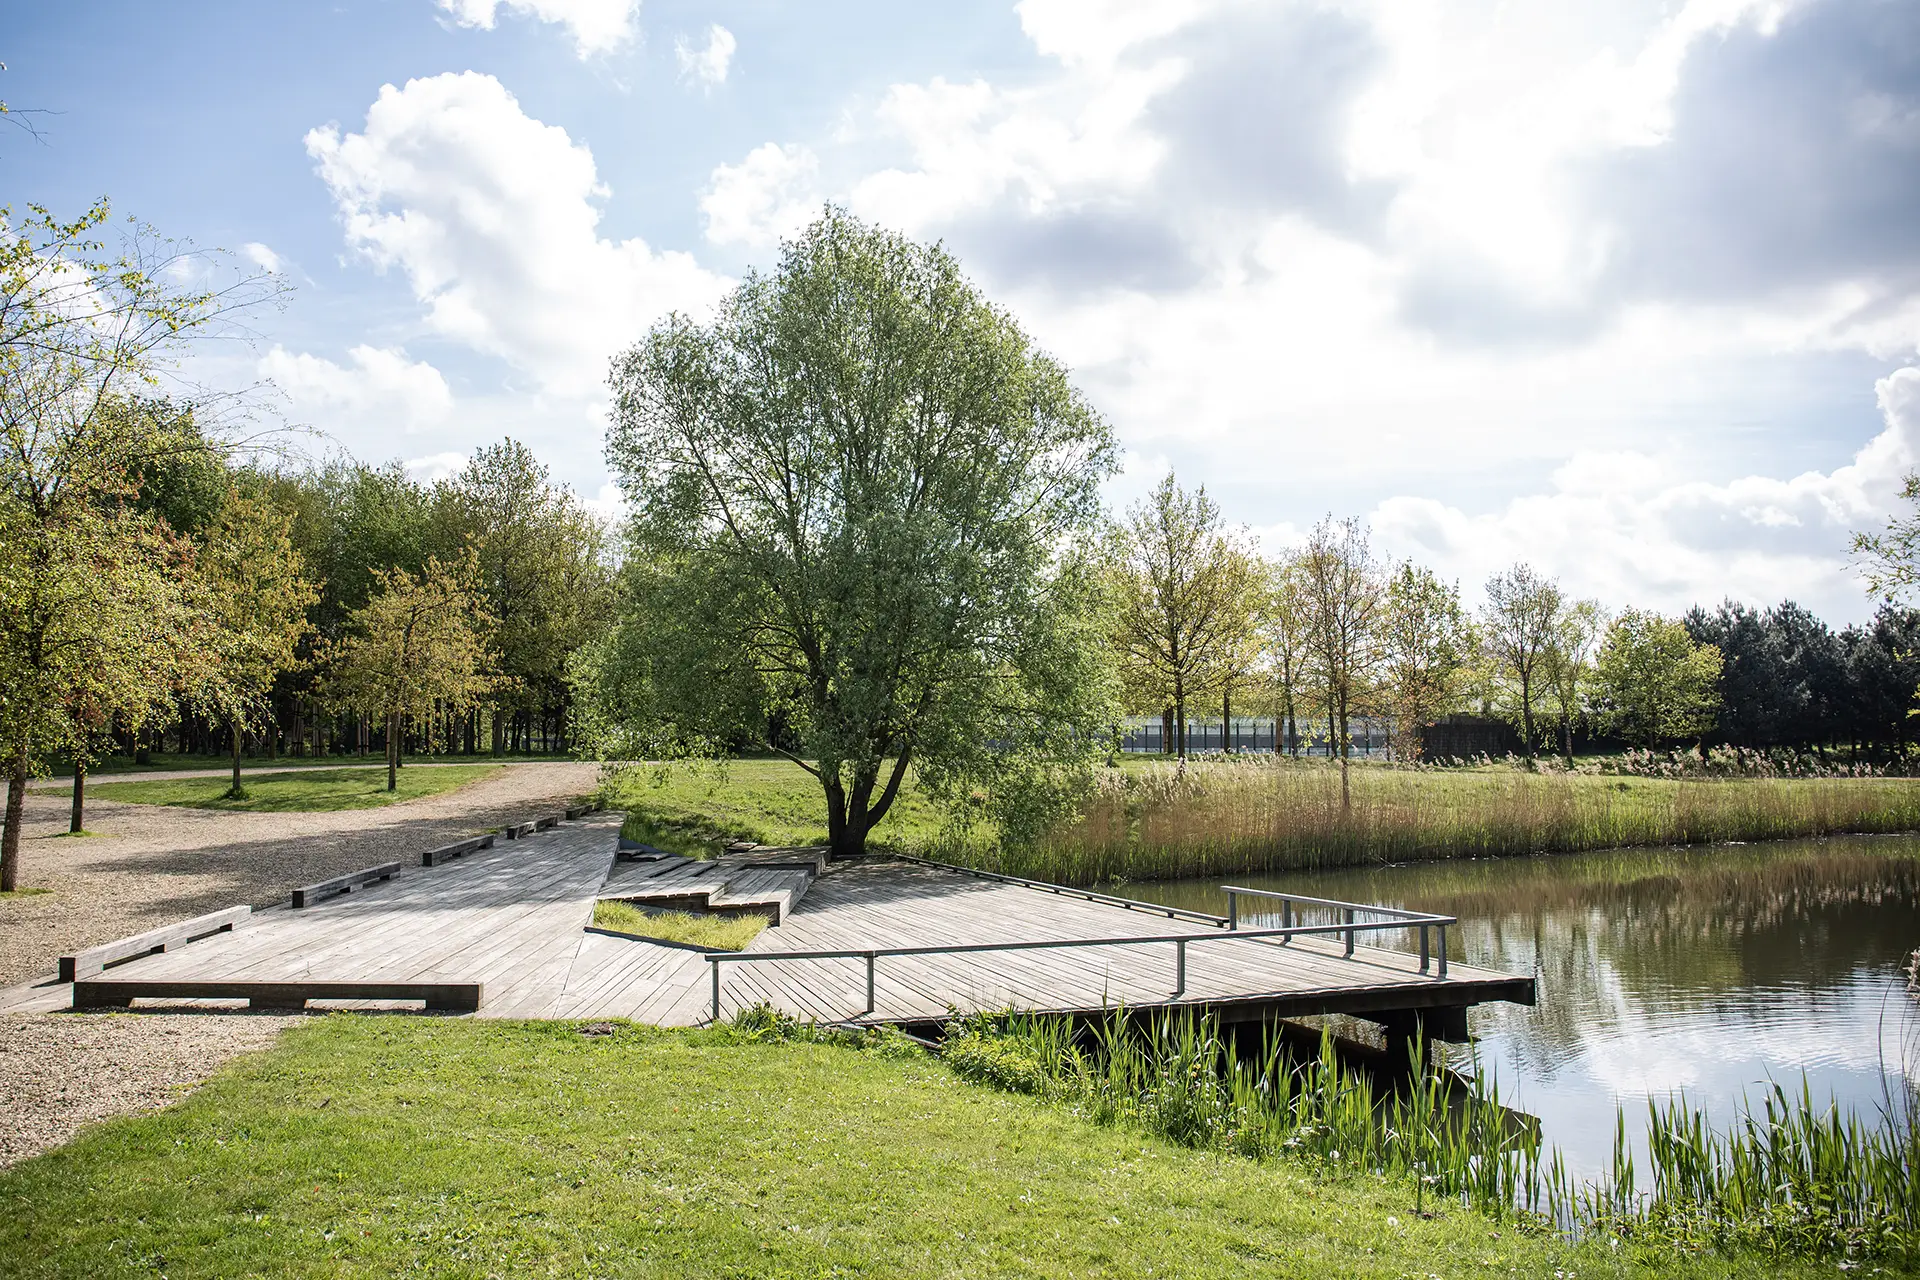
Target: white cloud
771 194
380 391
598 26
260 256
1629 528
435 466
493 218
706 66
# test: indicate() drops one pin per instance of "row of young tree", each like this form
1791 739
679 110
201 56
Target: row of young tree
162 574
1330 630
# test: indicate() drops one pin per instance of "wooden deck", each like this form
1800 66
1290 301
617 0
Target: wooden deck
515 917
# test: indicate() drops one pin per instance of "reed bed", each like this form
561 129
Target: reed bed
1793 1178
1165 821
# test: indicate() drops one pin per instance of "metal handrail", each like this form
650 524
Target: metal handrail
1065 890
1180 940
1399 917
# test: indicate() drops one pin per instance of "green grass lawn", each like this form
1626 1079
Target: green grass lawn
375 1146
691 808
173 761
299 790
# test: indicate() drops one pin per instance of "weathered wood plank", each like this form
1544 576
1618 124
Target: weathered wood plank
95 959
459 849
106 993
347 883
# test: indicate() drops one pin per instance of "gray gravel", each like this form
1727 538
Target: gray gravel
152 865
60 1072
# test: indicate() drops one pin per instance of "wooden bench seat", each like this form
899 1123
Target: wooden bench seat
95 959
446 853
119 993
517 830
344 884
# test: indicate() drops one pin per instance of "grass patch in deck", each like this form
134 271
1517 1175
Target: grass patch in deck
721 933
298 791
366 1146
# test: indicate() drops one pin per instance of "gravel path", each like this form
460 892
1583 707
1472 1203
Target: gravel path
62 1072
152 865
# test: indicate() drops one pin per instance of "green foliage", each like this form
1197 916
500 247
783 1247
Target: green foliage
316 790
418 646
715 932
1652 682
367 1146
1187 601
855 497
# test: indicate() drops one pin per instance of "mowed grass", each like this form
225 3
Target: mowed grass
375 1146
298 791
693 808
721 933
1152 819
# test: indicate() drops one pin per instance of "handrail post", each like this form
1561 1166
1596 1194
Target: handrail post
1286 918
1233 909
1180 966
1349 920
1425 963
870 959
715 966
1443 951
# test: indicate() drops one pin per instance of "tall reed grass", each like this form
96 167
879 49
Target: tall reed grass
1164 821
1792 1178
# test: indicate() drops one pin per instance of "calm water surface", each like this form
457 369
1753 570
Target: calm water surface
1704 971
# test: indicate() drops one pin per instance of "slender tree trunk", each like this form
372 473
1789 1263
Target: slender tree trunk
10 839
1226 717
234 728
1346 750
393 751
77 817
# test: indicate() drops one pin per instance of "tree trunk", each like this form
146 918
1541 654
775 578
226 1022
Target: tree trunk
77 817
1346 750
393 751
1226 718
234 726
10 839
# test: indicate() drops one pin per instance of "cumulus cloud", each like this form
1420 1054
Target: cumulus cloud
771 194
1626 528
260 256
598 26
706 66
493 217
435 466
379 389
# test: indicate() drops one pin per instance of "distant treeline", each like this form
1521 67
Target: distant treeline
1787 679
543 564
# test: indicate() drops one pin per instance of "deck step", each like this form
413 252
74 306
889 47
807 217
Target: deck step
768 881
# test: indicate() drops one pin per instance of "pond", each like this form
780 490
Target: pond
1709 972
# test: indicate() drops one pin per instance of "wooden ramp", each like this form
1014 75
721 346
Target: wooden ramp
513 920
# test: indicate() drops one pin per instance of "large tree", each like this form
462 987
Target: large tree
86 576
1286 625
1426 641
416 648
1653 682
855 497
254 594
1346 591
1566 666
1518 625
1186 617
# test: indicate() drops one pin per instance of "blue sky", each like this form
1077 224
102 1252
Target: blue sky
1630 290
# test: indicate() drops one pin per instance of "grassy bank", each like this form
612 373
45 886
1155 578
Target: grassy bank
1150 819
376 1146
299 790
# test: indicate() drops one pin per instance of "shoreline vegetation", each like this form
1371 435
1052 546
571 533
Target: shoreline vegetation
372 1146
1156 820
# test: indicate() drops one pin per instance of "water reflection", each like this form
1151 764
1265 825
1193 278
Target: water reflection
1706 971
